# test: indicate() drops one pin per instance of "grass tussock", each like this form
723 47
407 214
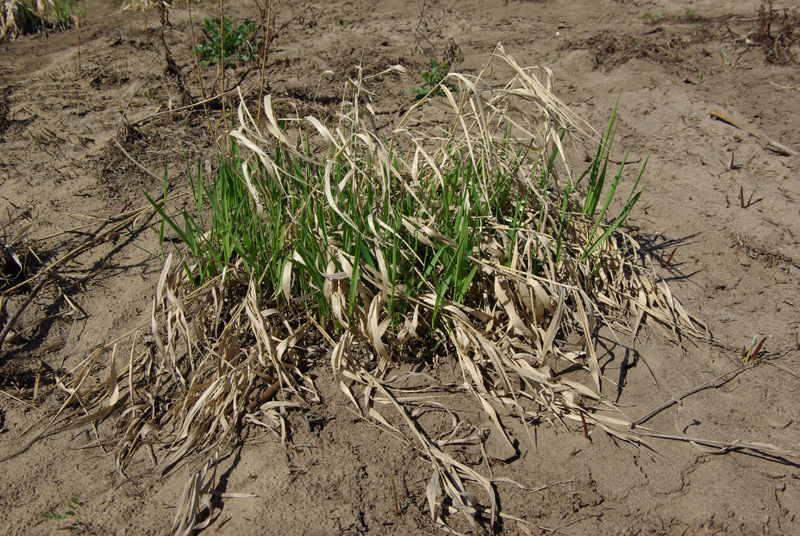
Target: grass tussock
20 17
470 239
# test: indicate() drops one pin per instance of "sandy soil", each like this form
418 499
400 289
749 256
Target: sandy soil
735 262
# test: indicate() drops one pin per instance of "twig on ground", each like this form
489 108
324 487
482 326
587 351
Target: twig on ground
125 109
9 395
21 308
96 238
265 396
199 74
203 102
726 446
136 163
78 37
264 57
724 378
781 367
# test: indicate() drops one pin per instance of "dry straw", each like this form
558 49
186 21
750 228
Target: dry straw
462 237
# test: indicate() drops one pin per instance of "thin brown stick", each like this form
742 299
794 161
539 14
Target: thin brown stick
763 448
222 58
19 311
781 367
199 74
137 164
97 237
9 395
264 57
146 29
265 396
550 532
723 378
78 33
125 109
203 102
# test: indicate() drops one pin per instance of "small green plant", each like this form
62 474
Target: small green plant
652 18
238 42
688 15
67 13
433 79
71 511
750 353
596 175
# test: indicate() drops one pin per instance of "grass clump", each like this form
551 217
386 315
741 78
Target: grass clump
652 18
237 41
470 241
20 17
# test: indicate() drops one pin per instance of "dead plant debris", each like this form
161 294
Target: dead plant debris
777 32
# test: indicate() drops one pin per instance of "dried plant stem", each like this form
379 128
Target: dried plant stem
140 166
265 396
781 367
723 378
222 58
18 312
78 34
121 221
172 66
264 57
763 448
199 74
146 29
9 395
97 238
158 114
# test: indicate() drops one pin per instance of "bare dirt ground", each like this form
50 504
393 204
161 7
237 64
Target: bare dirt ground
722 201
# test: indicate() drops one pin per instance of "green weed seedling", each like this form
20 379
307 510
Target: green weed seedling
652 18
750 353
71 511
238 42
434 79
596 176
68 12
